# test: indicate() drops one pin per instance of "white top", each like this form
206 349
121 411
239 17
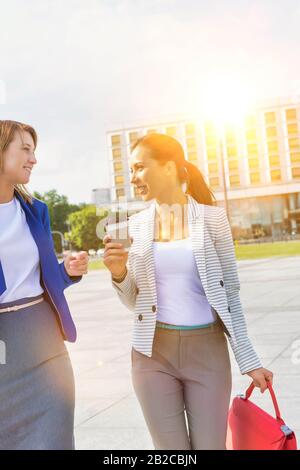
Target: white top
18 254
181 299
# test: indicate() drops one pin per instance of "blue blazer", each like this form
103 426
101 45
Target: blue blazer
54 278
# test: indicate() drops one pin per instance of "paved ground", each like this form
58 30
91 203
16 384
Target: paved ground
108 415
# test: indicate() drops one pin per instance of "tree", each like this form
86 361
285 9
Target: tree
59 209
83 224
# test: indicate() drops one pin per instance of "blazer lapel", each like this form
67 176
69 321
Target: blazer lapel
147 233
196 231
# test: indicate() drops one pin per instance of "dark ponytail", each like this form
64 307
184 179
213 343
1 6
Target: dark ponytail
197 187
165 148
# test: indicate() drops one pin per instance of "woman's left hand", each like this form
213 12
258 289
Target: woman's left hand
76 264
260 378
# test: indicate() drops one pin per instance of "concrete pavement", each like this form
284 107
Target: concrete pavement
108 415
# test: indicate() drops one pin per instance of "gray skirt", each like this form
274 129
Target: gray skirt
36 381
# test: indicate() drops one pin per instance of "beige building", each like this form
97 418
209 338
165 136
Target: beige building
261 158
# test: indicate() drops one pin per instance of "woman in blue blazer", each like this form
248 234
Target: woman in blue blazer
36 377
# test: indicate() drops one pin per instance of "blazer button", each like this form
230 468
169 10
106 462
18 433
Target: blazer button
228 309
153 308
222 283
140 317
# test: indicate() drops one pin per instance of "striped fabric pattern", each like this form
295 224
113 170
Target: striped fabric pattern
215 258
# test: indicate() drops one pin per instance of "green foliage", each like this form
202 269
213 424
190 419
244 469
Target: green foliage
59 209
83 224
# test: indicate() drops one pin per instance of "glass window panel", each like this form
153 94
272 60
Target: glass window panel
189 129
291 114
214 182
133 136
275 175
272 146
116 139
234 180
120 192
252 149
213 167
118 166
192 155
294 143
296 172
255 177
253 163
117 153
119 179
233 164
271 132
231 151
292 128
270 117
171 131
295 157
274 160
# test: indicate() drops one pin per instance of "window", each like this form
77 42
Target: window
118 166
270 118
230 137
151 131
251 134
212 154
233 164
254 178
211 140
116 139
252 149
253 163
294 143
271 132
133 136
120 192
291 114
189 129
209 128
213 167
296 172
234 180
191 143
275 175
192 156
214 182
250 120
119 179
231 151
274 160
292 129
117 153
295 157
272 146
171 131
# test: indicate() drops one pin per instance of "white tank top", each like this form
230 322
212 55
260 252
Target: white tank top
18 254
181 299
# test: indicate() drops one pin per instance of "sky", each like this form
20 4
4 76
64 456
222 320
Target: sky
75 69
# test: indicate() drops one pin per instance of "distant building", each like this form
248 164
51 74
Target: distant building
261 161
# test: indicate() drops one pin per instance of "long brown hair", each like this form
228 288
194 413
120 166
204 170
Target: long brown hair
7 134
165 148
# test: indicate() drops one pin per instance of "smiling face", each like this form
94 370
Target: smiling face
151 178
18 159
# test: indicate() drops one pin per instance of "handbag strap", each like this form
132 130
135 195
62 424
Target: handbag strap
276 407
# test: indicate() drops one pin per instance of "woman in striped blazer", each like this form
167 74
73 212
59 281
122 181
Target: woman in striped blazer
180 280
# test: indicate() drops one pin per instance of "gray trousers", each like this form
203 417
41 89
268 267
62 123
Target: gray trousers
184 388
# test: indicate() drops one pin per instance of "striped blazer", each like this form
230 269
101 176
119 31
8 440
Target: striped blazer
215 259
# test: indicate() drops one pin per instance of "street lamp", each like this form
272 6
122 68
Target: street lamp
224 184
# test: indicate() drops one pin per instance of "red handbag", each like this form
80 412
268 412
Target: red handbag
251 428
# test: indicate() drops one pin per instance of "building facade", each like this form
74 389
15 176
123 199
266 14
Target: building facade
258 158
